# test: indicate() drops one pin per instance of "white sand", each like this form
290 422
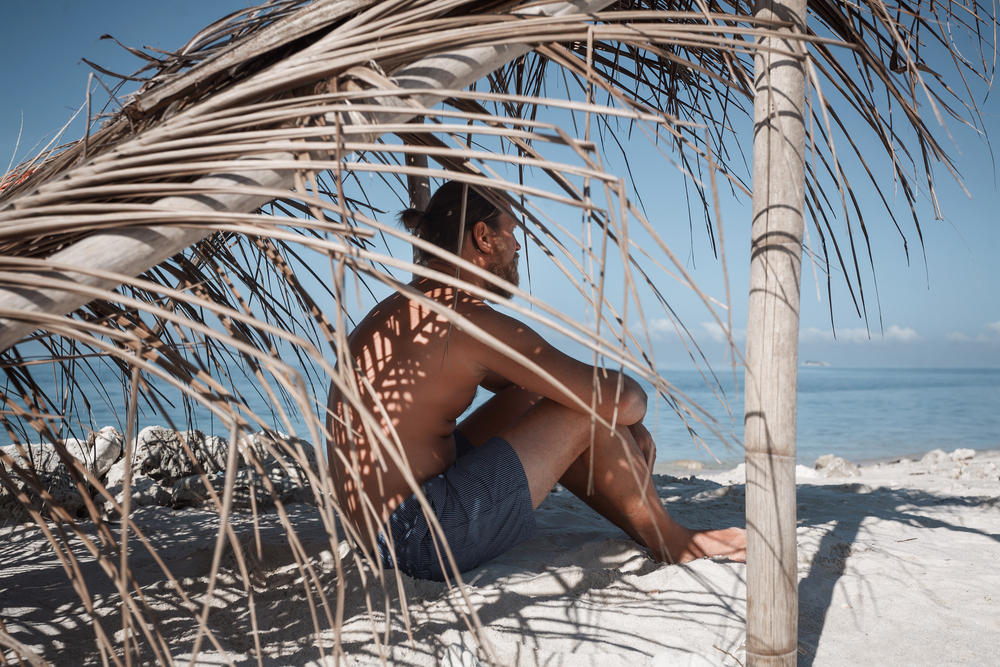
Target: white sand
897 566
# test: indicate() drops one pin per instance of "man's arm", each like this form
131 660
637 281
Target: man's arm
494 382
577 378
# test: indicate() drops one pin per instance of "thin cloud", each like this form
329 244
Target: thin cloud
661 328
902 335
857 335
893 333
718 334
814 335
665 329
992 335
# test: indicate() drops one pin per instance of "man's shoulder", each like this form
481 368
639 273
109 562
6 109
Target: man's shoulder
500 327
473 309
485 314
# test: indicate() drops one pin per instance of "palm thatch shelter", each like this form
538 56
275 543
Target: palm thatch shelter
180 244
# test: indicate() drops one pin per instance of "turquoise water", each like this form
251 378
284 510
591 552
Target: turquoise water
860 414
102 403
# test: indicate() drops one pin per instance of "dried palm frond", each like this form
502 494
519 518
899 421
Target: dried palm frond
212 238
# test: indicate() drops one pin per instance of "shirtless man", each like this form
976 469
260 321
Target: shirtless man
484 478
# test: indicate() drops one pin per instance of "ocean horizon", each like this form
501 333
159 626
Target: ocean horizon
861 414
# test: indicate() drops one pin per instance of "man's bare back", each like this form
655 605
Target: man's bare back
425 376
420 362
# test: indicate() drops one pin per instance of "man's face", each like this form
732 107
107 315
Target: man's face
504 261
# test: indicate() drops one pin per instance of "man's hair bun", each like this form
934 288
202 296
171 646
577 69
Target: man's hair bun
441 223
412 219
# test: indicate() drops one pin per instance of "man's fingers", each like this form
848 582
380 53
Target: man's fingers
646 443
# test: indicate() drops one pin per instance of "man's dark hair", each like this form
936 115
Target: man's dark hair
440 223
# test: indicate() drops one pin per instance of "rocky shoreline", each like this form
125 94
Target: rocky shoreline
168 469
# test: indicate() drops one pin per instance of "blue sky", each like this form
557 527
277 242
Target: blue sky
945 312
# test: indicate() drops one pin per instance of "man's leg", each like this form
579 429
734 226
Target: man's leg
552 442
496 414
507 406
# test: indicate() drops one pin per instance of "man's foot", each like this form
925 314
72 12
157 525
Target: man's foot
728 543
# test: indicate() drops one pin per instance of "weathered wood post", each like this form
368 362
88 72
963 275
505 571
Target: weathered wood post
419 187
773 339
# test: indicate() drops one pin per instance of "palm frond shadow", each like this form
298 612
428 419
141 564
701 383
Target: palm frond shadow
841 537
244 329
436 609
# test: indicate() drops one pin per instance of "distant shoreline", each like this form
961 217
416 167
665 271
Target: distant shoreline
679 468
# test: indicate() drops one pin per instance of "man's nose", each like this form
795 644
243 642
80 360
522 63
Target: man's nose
517 244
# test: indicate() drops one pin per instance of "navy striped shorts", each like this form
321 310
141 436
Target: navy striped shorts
482 503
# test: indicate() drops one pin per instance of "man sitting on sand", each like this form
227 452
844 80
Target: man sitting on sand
484 478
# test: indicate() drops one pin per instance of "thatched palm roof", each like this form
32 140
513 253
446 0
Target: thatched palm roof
241 155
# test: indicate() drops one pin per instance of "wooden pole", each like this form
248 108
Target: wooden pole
133 250
419 187
773 340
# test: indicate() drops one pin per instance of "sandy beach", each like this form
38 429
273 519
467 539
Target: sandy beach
899 563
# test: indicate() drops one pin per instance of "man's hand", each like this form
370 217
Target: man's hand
644 439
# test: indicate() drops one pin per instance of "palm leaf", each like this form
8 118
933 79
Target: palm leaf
239 167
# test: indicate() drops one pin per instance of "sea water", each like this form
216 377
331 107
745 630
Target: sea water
859 414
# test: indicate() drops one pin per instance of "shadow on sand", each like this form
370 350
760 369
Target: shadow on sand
552 593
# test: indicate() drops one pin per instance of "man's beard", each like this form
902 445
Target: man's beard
507 272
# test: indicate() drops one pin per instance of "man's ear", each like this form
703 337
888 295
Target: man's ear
481 237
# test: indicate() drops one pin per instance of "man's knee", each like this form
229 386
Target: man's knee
562 432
